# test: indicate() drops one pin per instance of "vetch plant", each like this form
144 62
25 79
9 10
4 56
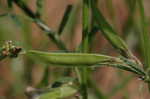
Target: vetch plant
81 61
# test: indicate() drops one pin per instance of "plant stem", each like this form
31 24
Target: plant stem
51 34
65 19
85 42
144 37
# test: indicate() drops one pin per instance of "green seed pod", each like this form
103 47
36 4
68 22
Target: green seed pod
76 59
83 59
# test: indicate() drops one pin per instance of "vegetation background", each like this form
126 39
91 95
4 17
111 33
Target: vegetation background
17 74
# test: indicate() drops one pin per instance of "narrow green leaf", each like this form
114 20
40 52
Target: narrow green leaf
133 65
109 33
126 68
86 16
65 19
25 8
144 36
51 34
86 24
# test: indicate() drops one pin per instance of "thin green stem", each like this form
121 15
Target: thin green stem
85 48
65 19
144 36
51 34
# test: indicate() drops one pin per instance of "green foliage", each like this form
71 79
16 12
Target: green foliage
109 33
144 35
82 63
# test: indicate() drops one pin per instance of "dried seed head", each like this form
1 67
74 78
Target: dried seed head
10 50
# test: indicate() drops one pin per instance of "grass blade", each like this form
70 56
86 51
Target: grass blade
109 33
51 34
65 19
86 24
144 36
